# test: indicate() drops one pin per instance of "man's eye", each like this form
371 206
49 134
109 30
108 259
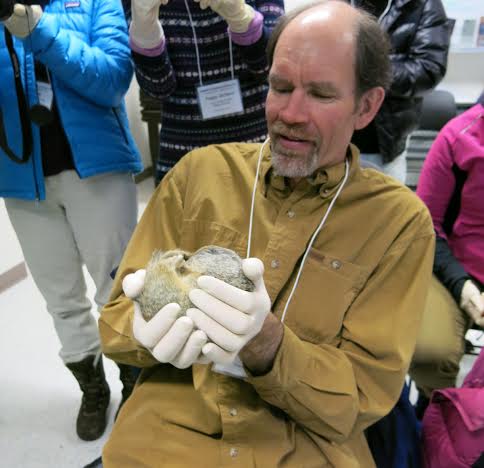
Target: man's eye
322 96
281 90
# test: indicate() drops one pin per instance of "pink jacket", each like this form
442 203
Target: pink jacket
453 424
458 149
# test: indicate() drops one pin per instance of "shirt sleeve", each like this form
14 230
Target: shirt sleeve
252 45
337 391
100 70
158 228
435 187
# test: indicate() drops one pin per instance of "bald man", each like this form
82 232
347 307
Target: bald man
291 373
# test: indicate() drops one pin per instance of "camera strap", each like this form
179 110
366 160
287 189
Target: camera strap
23 110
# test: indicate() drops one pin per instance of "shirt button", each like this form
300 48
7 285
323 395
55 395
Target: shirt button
233 452
275 264
233 412
291 214
326 191
335 264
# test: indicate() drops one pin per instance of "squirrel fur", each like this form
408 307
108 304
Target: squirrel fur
171 275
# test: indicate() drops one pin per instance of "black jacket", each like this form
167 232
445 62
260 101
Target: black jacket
420 34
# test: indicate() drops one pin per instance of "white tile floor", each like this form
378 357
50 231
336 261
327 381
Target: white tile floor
38 397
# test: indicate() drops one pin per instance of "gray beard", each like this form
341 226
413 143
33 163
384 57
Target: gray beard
294 167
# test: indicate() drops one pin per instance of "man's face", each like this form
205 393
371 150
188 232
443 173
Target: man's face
310 108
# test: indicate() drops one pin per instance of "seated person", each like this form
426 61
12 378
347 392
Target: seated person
326 337
452 186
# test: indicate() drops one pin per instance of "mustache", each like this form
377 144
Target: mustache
294 132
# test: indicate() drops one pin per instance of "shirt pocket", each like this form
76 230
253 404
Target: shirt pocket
327 287
198 233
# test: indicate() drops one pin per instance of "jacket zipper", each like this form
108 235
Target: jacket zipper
121 128
26 88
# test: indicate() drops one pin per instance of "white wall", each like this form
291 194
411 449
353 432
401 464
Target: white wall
465 76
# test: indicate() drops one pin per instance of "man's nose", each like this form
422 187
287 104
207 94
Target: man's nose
294 110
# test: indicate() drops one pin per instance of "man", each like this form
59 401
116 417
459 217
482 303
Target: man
326 337
420 34
72 202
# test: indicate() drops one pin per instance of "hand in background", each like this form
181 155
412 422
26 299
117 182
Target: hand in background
229 316
236 12
24 19
145 29
169 338
472 301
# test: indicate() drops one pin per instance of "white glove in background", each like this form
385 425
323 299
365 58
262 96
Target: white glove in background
169 338
229 316
236 12
472 301
145 29
24 19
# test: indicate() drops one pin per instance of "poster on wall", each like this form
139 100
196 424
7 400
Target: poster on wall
468 32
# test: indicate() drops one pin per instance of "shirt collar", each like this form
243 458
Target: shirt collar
325 180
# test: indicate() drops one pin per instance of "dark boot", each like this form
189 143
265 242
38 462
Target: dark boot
91 420
128 376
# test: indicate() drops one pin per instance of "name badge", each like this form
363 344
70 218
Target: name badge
45 94
220 99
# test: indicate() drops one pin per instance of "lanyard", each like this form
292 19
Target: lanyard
313 237
196 47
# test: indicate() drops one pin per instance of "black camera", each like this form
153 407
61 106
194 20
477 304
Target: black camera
6 6
39 113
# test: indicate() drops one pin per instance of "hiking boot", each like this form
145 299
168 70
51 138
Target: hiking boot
128 376
91 420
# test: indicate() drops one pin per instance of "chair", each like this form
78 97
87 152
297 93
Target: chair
438 107
151 114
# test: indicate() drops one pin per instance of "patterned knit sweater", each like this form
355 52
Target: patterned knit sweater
172 77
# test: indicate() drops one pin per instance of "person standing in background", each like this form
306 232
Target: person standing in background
73 200
420 35
181 47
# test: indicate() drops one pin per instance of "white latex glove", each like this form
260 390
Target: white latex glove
145 29
236 12
24 19
472 301
228 315
167 336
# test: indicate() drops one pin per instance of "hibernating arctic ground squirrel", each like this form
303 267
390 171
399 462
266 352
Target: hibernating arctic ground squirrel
171 275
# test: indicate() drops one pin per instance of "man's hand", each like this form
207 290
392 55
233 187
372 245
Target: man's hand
169 338
472 301
236 12
229 316
24 19
145 29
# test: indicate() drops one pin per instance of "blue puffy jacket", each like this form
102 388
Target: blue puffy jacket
84 44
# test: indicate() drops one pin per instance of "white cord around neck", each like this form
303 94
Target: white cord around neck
251 216
199 66
313 237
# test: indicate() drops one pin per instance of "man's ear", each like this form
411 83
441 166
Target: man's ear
368 105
